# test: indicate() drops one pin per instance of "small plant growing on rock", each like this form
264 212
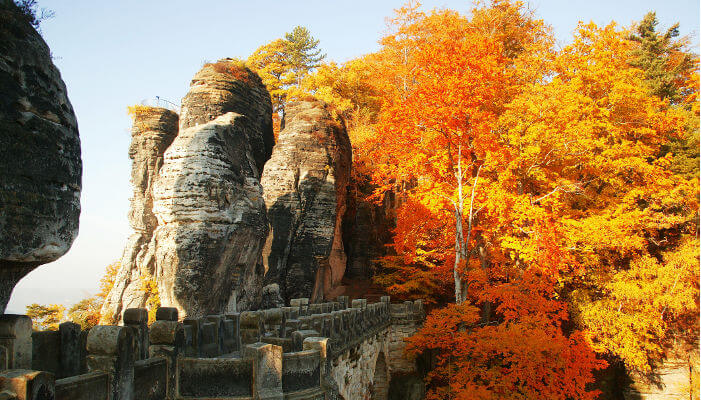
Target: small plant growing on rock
234 68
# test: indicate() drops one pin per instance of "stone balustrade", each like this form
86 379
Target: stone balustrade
267 354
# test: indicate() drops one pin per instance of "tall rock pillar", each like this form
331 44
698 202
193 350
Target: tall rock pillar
153 130
201 223
305 184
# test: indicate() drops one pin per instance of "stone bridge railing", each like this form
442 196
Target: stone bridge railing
279 353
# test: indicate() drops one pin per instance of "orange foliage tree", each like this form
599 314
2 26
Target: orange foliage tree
544 183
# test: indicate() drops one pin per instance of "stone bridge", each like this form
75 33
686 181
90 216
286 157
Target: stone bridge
332 350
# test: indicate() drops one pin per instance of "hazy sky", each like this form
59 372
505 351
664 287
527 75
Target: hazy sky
112 54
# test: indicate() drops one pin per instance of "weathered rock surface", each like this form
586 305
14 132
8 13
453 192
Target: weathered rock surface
211 215
367 231
40 165
152 132
201 223
227 86
305 184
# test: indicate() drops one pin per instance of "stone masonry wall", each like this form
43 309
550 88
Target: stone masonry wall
354 370
328 350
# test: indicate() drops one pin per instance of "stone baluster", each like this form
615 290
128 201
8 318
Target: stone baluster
218 322
267 370
322 345
167 339
291 312
137 319
328 325
234 331
347 329
196 336
326 308
16 338
111 350
337 335
317 323
209 341
315 309
275 322
70 348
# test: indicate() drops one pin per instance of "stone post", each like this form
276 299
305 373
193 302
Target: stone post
302 304
305 322
167 338
419 313
70 349
137 319
267 370
196 333
209 344
27 385
275 322
321 344
251 327
111 349
359 303
166 314
343 300
218 332
298 338
235 333
16 337
3 358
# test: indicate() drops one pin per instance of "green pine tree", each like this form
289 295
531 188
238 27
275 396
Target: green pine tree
663 57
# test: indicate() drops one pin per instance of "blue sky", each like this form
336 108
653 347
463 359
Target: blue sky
112 54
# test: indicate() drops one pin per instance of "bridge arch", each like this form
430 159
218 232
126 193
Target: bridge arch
380 380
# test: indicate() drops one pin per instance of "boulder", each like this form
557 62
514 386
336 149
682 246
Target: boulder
40 165
305 187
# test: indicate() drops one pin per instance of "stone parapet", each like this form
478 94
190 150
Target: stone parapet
277 353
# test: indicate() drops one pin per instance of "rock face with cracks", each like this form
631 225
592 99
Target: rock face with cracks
305 184
204 252
153 131
40 165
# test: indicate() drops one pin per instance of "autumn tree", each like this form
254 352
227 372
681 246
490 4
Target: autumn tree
46 317
283 64
439 130
85 312
587 150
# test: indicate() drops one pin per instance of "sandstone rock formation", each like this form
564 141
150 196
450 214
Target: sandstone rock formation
367 232
305 184
212 224
40 165
207 202
152 132
226 86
